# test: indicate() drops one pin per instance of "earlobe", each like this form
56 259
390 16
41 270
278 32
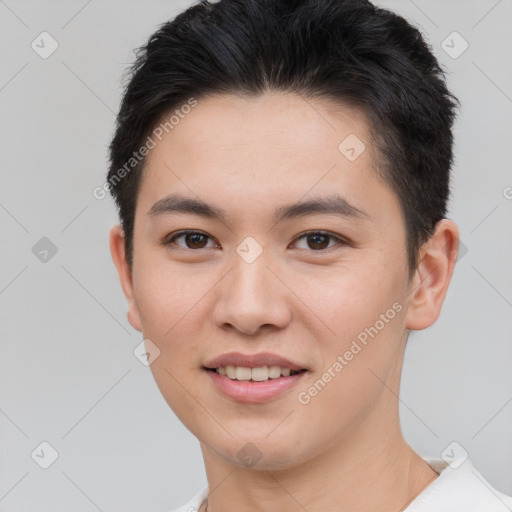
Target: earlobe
433 274
117 250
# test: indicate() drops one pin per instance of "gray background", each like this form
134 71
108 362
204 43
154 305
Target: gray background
68 375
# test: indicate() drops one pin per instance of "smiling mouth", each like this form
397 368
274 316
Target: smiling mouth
259 374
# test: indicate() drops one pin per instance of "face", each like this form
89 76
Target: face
325 288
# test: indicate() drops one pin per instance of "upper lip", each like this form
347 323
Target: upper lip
252 361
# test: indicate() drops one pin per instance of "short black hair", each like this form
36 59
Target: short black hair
343 50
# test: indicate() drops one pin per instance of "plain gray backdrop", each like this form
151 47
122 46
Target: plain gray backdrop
68 374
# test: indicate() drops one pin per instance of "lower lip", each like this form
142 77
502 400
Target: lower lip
253 392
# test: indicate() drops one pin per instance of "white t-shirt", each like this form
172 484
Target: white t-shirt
455 490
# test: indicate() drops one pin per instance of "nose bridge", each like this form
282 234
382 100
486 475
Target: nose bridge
250 270
250 285
250 296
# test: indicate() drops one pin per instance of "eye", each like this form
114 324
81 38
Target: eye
316 240
193 239
319 240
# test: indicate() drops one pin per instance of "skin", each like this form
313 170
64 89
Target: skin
344 450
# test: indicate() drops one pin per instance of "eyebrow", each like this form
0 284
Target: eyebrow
337 205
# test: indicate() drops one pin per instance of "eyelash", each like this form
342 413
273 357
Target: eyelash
341 242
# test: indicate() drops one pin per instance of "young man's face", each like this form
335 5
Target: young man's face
254 283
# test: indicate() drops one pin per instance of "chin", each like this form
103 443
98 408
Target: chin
260 453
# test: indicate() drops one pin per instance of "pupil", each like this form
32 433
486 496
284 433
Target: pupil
316 237
195 237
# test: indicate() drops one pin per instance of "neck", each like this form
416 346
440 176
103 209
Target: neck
357 475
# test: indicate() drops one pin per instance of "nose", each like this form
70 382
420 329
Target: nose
252 298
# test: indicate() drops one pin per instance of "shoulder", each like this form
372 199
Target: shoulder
193 503
459 488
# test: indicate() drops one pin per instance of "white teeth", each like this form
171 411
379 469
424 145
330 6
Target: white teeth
242 373
257 374
274 372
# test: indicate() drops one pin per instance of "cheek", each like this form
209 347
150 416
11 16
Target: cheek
358 329
164 296
173 308
347 299
349 384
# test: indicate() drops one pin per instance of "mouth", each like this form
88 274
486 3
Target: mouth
254 385
259 374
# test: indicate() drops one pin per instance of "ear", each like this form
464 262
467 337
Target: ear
117 249
435 268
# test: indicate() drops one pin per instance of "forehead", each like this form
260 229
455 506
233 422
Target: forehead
260 123
254 152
